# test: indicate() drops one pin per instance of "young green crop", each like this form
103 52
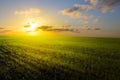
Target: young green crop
59 58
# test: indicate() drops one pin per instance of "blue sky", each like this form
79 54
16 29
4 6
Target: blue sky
85 14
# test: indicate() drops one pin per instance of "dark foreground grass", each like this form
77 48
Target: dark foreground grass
59 58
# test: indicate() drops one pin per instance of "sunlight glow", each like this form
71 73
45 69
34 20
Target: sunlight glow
33 25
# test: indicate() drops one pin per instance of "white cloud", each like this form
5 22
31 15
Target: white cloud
94 2
30 11
87 27
74 14
84 7
76 11
95 21
104 5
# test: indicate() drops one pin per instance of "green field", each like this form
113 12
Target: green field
59 58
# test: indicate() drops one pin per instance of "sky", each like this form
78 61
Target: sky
99 18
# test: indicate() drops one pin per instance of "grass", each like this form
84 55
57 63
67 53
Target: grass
59 58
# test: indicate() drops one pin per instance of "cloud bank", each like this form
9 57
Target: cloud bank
65 28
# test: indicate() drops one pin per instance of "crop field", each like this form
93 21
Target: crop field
59 58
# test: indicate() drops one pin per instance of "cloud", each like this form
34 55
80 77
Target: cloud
74 14
104 5
59 29
104 9
83 7
5 31
95 28
95 21
75 11
78 10
109 5
30 11
56 29
94 2
27 26
86 27
1 28
65 28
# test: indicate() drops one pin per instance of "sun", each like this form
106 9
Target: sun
31 26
